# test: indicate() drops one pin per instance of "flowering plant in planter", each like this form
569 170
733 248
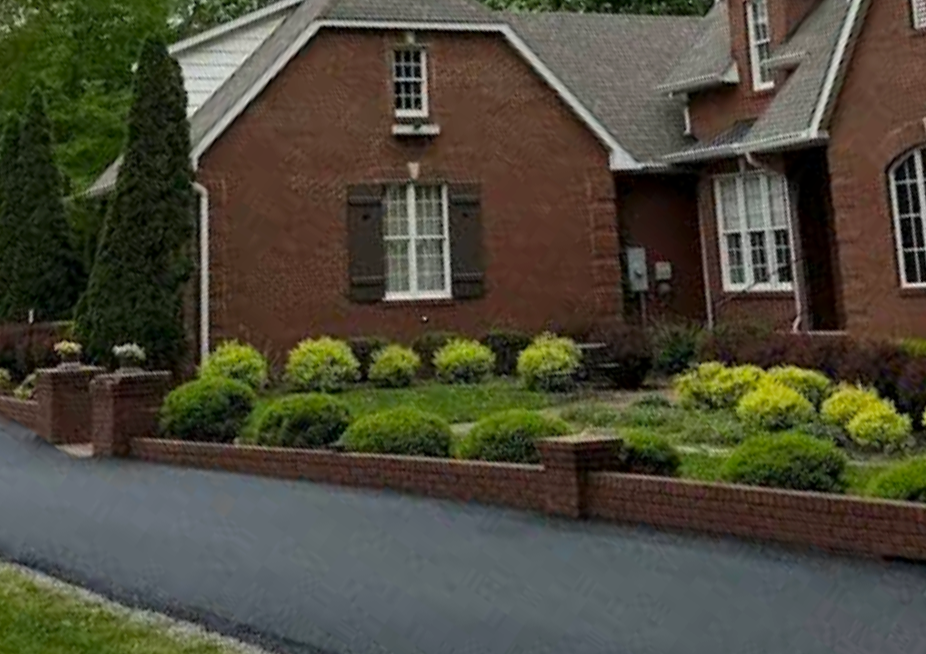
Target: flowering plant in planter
69 351
130 355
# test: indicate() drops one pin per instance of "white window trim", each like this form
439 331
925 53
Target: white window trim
412 208
748 286
918 9
755 64
920 165
412 113
687 116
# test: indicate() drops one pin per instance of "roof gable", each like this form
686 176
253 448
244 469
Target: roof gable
709 60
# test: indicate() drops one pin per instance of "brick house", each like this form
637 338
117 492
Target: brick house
385 167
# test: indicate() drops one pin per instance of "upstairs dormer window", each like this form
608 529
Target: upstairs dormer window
410 82
760 44
919 14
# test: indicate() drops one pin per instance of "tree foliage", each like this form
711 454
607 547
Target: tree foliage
135 289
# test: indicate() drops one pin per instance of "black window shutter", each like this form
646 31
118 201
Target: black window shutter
466 251
367 261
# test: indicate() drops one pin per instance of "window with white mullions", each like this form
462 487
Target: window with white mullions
908 196
755 232
416 242
760 44
919 14
410 82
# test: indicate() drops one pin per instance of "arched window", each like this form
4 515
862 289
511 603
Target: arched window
908 197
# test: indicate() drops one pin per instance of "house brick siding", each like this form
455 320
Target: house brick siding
279 175
878 117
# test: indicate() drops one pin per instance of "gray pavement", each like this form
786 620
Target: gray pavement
298 567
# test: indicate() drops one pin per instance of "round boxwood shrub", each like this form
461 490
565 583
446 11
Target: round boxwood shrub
325 365
309 420
212 409
427 345
646 453
813 385
902 481
237 361
713 385
394 367
774 407
549 364
404 430
464 362
507 346
845 403
509 436
879 426
793 461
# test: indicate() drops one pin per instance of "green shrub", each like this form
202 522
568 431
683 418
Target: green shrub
325 365
509 436
507 346
399 431
714 386
774 407
902 481
813 385
427 345
675 347
915 347
464 362
309 420
238 361
550 364
791 460
591 415
879 426
394 367
213 409
648 454
626 358
26 390
6 382
845 403
718 427
364 348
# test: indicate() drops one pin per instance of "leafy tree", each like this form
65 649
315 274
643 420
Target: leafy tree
135 293
10 185
44 273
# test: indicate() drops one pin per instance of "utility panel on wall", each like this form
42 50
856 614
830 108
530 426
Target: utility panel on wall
636 270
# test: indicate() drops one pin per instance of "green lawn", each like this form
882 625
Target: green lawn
35 619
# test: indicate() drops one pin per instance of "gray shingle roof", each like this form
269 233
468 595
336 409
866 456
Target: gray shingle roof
439 11
708 59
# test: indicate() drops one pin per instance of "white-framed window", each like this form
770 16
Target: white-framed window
908 200
417 242
754 228
918 7
687 116
760 44
410 82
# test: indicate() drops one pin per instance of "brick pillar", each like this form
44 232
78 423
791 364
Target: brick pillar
63 394
125 406
567 460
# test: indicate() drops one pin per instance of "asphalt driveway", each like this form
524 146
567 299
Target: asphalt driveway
301 568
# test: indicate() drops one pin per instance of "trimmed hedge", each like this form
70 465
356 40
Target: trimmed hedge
713 385
211 410
774 407
793 461
846 403
323 365
509 436
550 364
309 420
238 361
813 385
404 430
463 361
903 481
648 454
394 366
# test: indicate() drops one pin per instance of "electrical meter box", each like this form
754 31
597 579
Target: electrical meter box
636 270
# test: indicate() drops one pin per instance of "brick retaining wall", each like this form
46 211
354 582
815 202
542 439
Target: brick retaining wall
25 412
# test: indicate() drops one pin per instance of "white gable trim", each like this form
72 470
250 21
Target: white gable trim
231 26
619 159
832 72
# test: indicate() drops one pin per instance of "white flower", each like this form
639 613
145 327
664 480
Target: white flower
68 348
130 352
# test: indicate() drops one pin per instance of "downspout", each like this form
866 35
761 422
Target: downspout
708 296
798 303
203 270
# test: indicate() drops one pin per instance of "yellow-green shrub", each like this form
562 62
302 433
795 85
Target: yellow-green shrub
813 385
774 407
845 403
325 365
902 481
464 361
549 363
6 382
715 386
394 366
879 426
238 361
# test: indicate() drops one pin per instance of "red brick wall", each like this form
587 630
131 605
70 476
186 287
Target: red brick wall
25 412
278 179
878 117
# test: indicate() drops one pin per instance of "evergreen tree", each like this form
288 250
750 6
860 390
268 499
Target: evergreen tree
9 187
135 292
46 274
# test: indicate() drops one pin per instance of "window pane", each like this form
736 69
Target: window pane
783 270
911 233
779 201
430 264
759 257
397 273
755 190
408 77
735 259
908 198
429 211
396 211
729 205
